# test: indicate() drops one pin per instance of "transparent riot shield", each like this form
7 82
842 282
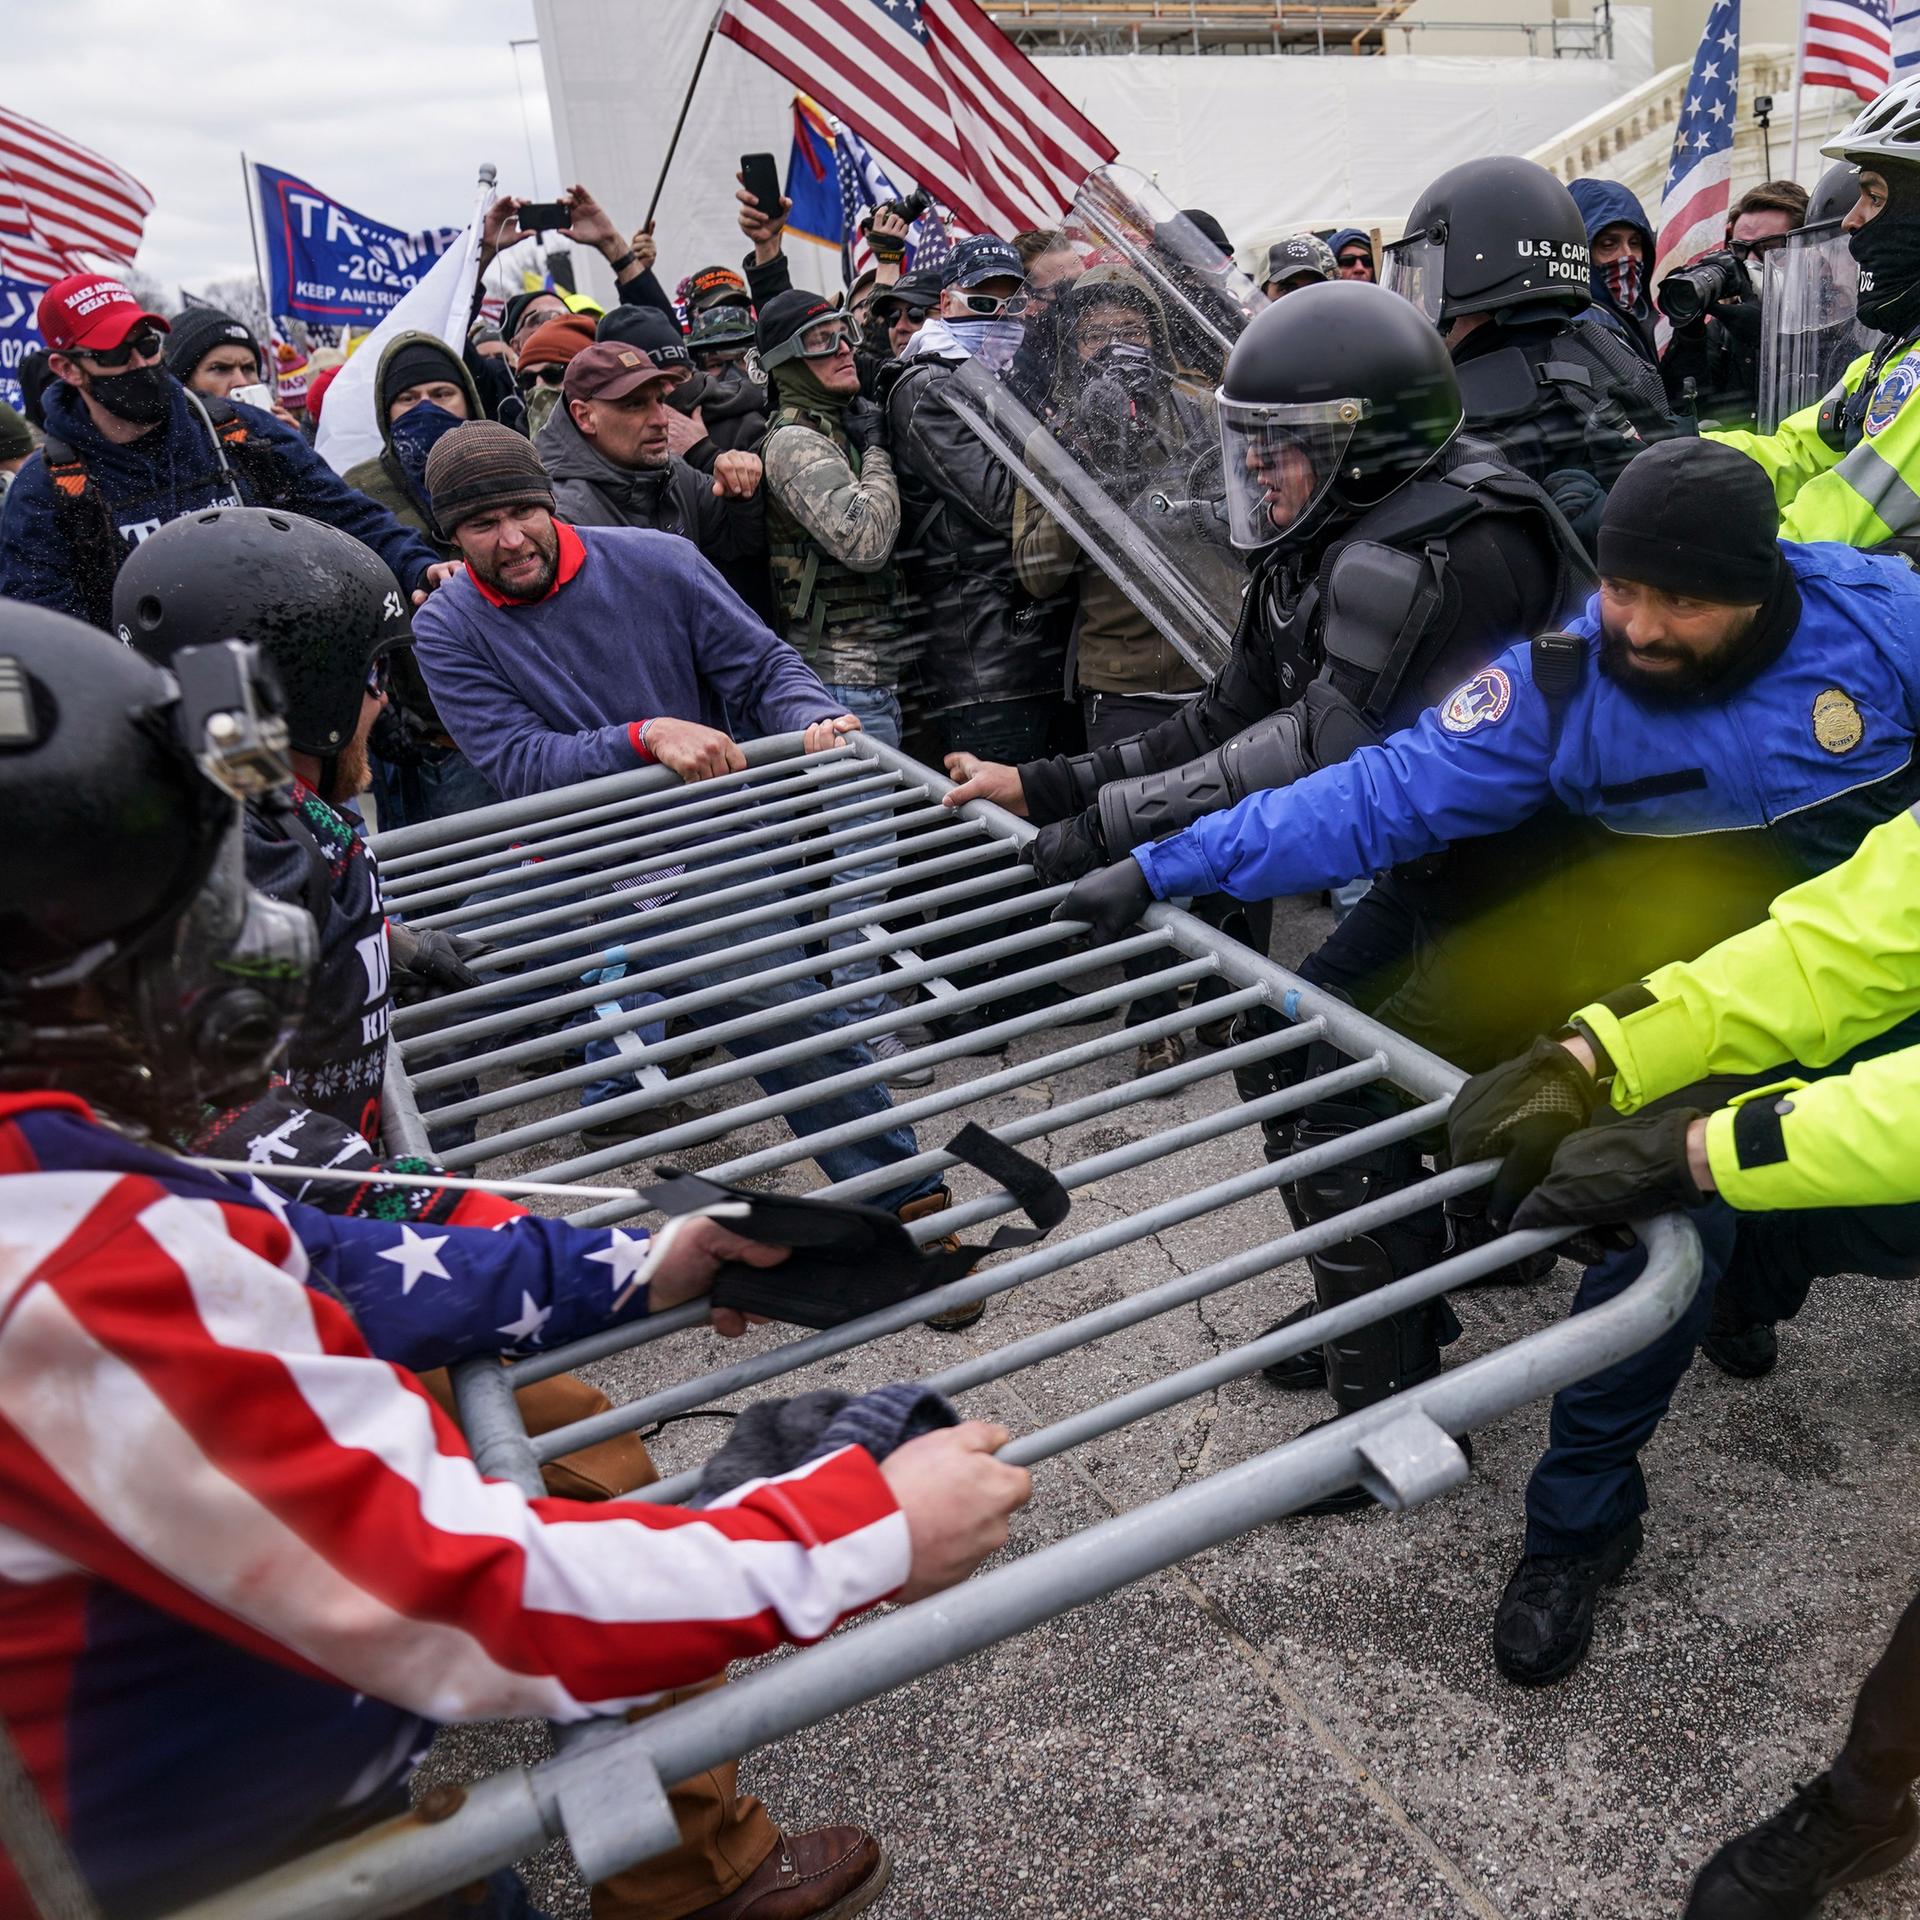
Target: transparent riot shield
1107 415
1809 330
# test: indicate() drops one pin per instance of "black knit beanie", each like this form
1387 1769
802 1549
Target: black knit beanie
413 365
648 329
480 466
195 335
1696 518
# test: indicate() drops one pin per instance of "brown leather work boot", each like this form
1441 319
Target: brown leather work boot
830 1873
937 1202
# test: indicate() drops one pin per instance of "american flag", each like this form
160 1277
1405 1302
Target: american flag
940 90
1693 204
864 186
63 208
1848 43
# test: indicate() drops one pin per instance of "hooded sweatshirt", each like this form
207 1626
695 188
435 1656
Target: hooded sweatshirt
383 477
593 491
1606 203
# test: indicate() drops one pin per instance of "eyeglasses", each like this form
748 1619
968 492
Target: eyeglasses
143 345
1757 249
993 305
547 376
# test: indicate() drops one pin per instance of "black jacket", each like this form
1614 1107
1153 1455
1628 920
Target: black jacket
591 491
986 637
1504 578
733 408
1562 396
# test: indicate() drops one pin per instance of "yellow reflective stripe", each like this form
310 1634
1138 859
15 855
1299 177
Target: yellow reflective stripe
1882 486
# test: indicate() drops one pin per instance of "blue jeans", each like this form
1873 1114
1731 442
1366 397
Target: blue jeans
809 1020
878 711
1588 1484
409 796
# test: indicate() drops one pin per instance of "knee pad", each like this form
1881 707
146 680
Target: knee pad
1374 1362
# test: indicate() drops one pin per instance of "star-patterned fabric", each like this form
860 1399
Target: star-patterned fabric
1693 204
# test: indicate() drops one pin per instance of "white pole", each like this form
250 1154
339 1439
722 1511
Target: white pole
1799 64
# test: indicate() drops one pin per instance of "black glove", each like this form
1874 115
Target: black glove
1627 1170
1110 901
1520 1110
864 424
428 962
1066 849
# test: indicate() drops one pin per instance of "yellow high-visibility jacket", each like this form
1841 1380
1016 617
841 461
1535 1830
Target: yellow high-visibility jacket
1861 497
1836 962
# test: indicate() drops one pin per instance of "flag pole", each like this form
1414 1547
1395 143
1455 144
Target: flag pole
253 233
1799 67
686 100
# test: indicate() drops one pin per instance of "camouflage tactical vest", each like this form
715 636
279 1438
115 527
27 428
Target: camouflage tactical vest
847 625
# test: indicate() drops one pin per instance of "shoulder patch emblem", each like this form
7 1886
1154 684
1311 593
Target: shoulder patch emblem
1483 700
1836 722
1891 395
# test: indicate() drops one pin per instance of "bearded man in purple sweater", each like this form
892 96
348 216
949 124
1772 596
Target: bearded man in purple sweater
567 653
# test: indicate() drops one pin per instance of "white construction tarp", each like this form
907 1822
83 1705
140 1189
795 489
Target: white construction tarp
1267 143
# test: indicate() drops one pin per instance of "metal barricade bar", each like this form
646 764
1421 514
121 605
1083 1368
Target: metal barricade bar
771 870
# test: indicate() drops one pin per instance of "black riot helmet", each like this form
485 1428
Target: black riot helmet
320 606
1833 194
1499 236
137 968
1332 398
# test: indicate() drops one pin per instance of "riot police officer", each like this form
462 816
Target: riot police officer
1495 255
1392 560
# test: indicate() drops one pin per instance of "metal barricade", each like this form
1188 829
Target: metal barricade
617 874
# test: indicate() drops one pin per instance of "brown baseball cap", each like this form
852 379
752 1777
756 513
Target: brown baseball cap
610 370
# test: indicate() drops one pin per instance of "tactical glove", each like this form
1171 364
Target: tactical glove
1629 1170
1066 849
1520 1111
428 962
1110 901
864 425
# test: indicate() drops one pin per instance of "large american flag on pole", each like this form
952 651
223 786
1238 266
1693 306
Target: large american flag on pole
1693 204
942 92
63 208
1848 43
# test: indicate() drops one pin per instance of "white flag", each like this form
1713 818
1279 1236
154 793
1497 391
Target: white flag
439 305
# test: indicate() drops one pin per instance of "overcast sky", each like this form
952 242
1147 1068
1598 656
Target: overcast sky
389 105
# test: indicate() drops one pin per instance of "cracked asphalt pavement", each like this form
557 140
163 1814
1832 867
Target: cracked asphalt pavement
1307 1721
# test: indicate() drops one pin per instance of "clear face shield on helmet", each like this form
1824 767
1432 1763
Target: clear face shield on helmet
1810 330
1280 462
1416 269
1105 413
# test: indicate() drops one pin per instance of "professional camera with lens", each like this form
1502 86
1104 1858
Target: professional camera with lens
910 209
1686 293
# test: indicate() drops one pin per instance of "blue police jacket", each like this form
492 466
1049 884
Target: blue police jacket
1814 750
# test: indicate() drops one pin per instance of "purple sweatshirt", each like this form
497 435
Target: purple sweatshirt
639 625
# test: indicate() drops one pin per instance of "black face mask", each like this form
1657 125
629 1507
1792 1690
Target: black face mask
141 396
1888 250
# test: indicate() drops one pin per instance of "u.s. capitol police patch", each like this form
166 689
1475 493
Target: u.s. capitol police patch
1482 701
1891 395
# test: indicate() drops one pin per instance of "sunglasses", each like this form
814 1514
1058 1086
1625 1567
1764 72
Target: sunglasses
1757 249
144 344
548 376
990 305
380 678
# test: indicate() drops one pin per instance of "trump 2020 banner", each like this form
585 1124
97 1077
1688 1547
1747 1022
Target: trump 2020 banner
328 264
19 334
